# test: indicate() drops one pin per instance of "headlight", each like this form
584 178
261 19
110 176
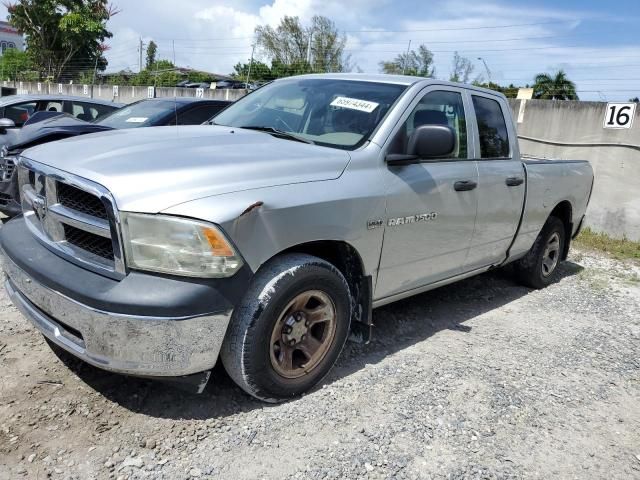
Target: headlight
177 246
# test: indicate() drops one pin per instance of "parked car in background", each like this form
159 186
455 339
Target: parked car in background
18 108
266 237
145 113
198 85
157 112
224 84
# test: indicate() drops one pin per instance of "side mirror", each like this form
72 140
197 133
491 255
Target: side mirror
426 141
6 123
430 141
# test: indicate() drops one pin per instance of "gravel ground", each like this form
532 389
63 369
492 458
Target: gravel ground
481 379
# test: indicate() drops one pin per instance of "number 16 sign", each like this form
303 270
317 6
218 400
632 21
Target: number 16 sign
619 115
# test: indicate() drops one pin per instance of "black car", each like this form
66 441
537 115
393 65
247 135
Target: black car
145 113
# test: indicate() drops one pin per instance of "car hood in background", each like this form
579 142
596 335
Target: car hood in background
152 169
53 128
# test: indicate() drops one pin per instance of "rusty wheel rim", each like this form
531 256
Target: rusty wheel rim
303 334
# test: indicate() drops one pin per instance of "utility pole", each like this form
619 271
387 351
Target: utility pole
486 68
140 47
93 82
406 58
253 48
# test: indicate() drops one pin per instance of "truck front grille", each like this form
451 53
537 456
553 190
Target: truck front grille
81 201
7 167
90 242
75 217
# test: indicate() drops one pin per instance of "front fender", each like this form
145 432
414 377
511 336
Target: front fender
264 222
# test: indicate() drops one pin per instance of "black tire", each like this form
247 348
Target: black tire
531 270
247 349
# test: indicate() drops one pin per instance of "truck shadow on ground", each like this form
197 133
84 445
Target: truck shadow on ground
398 326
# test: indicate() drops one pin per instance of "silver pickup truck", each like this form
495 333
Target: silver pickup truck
266 237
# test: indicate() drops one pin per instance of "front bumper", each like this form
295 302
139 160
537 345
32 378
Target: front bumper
166 342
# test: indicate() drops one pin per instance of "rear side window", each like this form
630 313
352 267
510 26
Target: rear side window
101 110
89 111
53 107
494 141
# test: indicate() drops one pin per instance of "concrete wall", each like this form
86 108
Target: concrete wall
574 130
124 94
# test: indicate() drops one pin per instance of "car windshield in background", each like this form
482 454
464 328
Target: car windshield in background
141 114
335 113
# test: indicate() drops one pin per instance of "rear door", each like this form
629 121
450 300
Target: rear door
430 218
501 185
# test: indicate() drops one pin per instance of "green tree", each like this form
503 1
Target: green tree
554 87
161 73
260 72
462 69
17 65
635 100
152 50
510 92
288 46
63 37
417 63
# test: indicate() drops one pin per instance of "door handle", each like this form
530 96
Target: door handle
464 185
514 181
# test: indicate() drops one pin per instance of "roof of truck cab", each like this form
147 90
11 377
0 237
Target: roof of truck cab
11 99
386 78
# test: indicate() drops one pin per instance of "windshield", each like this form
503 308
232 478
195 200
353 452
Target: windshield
335 113
144 113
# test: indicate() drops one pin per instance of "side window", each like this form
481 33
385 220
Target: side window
436 108
99 111
494 140
197 115
53 107
84 111
20 112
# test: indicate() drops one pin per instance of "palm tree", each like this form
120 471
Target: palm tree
557 87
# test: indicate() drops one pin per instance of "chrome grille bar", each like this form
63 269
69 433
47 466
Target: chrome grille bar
80 220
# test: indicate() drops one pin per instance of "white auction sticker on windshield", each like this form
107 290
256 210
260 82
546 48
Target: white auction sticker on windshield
355 104
137 119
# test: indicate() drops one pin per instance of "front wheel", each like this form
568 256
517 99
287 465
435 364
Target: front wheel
538 268
289 329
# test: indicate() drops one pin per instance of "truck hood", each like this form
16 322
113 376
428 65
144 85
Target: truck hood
152 169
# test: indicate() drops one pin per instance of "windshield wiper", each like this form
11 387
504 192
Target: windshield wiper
279 133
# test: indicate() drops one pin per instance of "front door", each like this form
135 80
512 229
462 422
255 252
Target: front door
431 206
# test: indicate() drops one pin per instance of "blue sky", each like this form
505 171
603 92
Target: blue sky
596 43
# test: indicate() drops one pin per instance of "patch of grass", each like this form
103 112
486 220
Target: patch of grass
618 248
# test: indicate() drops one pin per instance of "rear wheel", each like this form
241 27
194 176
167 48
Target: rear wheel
539 267
289 329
